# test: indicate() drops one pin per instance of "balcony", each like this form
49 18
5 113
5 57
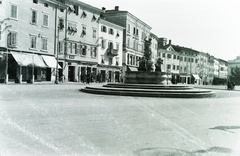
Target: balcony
112 52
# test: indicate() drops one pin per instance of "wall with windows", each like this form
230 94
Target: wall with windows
32 27
170 59
110 39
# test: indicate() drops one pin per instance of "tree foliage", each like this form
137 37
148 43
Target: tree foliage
235 75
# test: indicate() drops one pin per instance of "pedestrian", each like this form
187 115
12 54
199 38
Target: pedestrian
88 78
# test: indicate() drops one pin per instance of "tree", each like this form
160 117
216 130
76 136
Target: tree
235 75
145 63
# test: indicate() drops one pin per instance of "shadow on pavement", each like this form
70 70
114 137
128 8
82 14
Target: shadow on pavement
177 152
226 128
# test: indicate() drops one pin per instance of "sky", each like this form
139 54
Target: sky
210 26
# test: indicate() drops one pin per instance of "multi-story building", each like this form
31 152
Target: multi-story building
223 69
134 34
188 65
171 59
29 37
210 69
78 48
109 52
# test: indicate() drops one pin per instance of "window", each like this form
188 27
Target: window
174 67
110 31
46 4
61 9
44 43
94 18
84 30
35 1
143 35
45 20
14 11
84 50
33 40
94 33
84 15
128 28
174 56
128 42
168 66
177 67
78 49
196 60
103 44
117 46
69 48
134 31
169 56
178 57
93 51
163 55
34 17
110 45
185 59
61 24
12 41
103 29
76 9
72 28
110 60
74 48
61 47
137 32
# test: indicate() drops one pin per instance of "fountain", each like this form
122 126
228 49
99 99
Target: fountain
148 83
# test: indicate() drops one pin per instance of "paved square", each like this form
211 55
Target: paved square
60 120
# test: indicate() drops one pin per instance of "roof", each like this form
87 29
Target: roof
180 48
153 35
120 12
86 6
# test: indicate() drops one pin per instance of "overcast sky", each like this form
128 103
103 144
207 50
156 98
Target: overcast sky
211 26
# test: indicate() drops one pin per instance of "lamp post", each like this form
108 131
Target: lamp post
56 48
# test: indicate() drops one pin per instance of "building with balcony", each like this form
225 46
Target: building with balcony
109 51
79 46
133 36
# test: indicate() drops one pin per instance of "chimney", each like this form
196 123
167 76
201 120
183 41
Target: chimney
116 8
170 42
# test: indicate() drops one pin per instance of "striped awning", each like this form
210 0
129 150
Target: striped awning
25 59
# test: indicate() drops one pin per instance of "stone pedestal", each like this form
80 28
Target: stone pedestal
143 77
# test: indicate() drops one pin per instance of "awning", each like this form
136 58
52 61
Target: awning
50 61
24 59
133 69
196 76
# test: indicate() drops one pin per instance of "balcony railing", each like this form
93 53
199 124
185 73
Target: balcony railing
112 52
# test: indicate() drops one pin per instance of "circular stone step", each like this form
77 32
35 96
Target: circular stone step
149 90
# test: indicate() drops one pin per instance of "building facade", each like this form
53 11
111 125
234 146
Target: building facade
110 52
134 34
28 37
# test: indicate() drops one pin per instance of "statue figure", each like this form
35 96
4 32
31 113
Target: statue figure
158 65
145 63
